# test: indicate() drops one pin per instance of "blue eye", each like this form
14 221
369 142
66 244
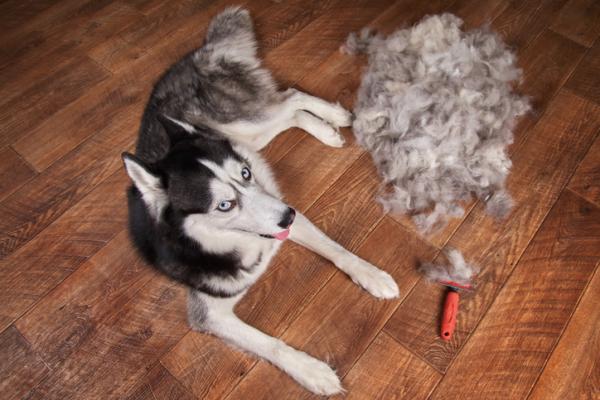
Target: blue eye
246 173
226 205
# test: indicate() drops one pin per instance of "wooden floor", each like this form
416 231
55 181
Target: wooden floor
82 317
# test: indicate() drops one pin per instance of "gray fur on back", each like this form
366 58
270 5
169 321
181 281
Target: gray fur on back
220 82
436 110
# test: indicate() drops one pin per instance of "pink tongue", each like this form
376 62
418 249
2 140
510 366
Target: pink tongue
282 235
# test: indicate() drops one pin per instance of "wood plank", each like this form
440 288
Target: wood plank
586 180
573 369
165 18
529 314
522 21
109 103
14 172
207 366
401 376
14 12
115 55
18 39
56 45
39 202
541 168
585 80
159 384
579 20
104 324
21 368
62 247
342 320
67 315
477 13
324 35
46 97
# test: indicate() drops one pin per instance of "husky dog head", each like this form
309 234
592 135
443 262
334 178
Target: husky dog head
206 187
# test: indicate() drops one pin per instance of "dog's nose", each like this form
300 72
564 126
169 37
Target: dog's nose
288 218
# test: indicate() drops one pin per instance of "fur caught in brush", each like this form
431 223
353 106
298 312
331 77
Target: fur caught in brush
457 271
436 110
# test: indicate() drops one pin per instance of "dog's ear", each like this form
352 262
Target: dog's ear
145 181
176 130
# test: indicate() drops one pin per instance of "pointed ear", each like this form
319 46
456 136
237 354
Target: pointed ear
176 130
146 182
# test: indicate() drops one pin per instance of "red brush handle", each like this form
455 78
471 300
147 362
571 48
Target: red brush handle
450 313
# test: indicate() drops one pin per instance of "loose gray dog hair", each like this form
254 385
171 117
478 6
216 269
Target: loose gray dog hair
436 111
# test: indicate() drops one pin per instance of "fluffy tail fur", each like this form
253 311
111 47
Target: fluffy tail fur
233 32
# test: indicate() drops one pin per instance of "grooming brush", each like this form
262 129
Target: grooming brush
450 313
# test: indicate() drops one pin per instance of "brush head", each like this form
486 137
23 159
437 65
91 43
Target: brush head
457 286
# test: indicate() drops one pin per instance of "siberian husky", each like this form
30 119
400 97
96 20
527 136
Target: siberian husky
204 208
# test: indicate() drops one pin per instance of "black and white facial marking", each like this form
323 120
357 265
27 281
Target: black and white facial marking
240 203
211 188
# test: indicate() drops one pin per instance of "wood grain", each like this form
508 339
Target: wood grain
541 168
30 108
400 376
66 316
159 384
342 319
14 172
110 335
529 314
579 20
586 180
585 80
67 243
21 368
547 63
206 365
573 370
522 21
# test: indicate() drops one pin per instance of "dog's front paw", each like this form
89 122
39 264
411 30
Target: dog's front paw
315 375
339 116
375 281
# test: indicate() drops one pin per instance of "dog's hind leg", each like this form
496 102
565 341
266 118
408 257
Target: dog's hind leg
372 279
216 316
334 114
257 134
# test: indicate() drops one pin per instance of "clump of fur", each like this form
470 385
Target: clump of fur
458 270
436 110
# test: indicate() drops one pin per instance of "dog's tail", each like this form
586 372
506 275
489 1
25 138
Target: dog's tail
360 42
232 30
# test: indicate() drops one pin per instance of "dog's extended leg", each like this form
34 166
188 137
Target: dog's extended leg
372 279
216 316
333 113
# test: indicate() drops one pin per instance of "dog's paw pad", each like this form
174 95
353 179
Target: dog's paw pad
377 282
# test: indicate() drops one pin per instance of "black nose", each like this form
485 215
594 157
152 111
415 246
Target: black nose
288 218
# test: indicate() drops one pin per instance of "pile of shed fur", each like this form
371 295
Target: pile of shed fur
436 111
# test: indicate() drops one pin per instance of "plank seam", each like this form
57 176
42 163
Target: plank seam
517 262
589 282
